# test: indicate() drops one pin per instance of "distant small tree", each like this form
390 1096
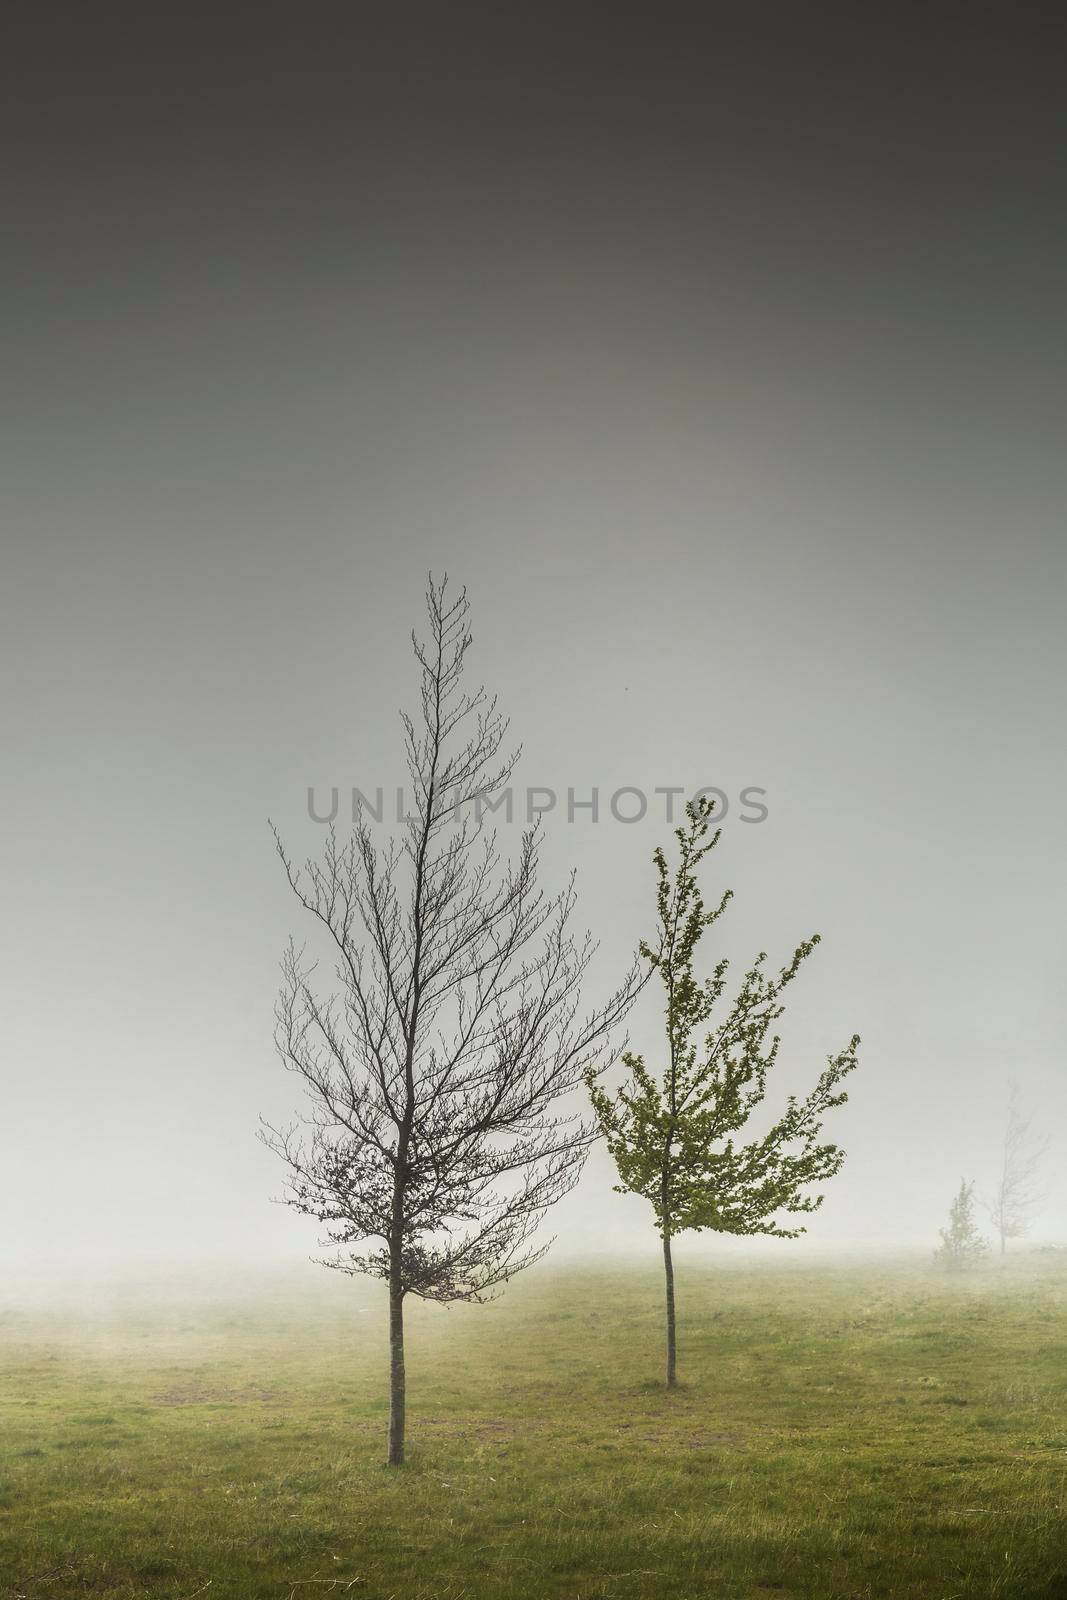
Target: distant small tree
1019 1191
434 1143
961 1244
672 1137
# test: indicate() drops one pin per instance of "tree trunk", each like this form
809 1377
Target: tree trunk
397 1397
668 1268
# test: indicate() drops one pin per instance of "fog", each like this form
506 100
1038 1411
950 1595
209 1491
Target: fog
727 377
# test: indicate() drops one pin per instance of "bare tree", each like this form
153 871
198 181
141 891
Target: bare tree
434 1144
1019 1191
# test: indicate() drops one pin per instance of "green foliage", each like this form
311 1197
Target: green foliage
961 1244
673 1138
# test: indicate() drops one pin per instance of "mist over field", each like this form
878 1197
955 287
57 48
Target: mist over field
860 1428
721 362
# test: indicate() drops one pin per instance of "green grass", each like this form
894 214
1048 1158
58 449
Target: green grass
839 1432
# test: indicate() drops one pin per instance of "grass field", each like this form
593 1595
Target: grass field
839 1432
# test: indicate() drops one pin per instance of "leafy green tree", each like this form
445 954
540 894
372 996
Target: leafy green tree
961 1244
673 1137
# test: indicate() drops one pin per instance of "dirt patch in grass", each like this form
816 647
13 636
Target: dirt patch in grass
202 1394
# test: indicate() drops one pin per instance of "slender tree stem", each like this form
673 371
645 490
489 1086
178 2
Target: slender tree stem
668 1269
397 1396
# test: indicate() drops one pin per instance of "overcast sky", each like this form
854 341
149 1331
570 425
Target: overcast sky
719 351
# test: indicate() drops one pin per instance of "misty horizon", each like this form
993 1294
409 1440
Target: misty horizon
723 367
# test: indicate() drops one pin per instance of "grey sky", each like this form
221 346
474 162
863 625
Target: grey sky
721 357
